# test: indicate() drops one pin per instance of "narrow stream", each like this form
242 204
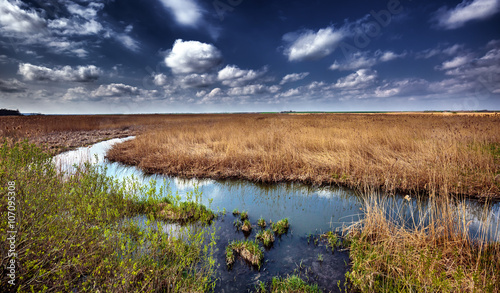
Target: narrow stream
310 210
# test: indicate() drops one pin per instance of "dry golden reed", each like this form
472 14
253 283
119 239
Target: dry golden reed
418 153
32 126
433 253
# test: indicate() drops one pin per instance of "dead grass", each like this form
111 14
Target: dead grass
432 255
417 153
32 126
58 133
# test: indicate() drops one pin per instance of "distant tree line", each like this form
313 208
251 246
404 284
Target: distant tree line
7 112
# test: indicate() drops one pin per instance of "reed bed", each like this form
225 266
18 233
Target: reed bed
36 125
435 253
413 153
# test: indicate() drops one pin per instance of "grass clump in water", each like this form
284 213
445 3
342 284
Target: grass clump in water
246 227
75 233
244 215
266 236
248 250
236 212
186 212
229 256
238 224
280 227
262 223
171 209
290 284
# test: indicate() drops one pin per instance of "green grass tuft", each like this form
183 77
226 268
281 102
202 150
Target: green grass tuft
266 236
262 223
291 284
280 227
248 250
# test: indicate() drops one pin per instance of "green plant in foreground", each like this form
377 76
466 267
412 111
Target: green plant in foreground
248 250
289 284
229 256
77 232
333 239
262 223
280 227
320 257
266 236
244 215
237 223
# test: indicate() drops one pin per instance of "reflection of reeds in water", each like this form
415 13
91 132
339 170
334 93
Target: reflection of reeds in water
423 248
411 153
71 161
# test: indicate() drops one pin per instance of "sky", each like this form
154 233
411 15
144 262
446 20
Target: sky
178 56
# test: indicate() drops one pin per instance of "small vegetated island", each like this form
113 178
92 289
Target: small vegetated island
76 233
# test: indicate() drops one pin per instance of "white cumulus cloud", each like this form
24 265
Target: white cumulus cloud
116 90
360 60
197 80
15 19
233 76
389 56
185 12
65 26
310 45
455 62
252 89
359 79
89 12
160 79
192 57
67 73
293 77
465 12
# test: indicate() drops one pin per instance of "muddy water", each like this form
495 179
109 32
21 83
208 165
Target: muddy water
310 210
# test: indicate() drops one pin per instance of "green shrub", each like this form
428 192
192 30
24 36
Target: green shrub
77 233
